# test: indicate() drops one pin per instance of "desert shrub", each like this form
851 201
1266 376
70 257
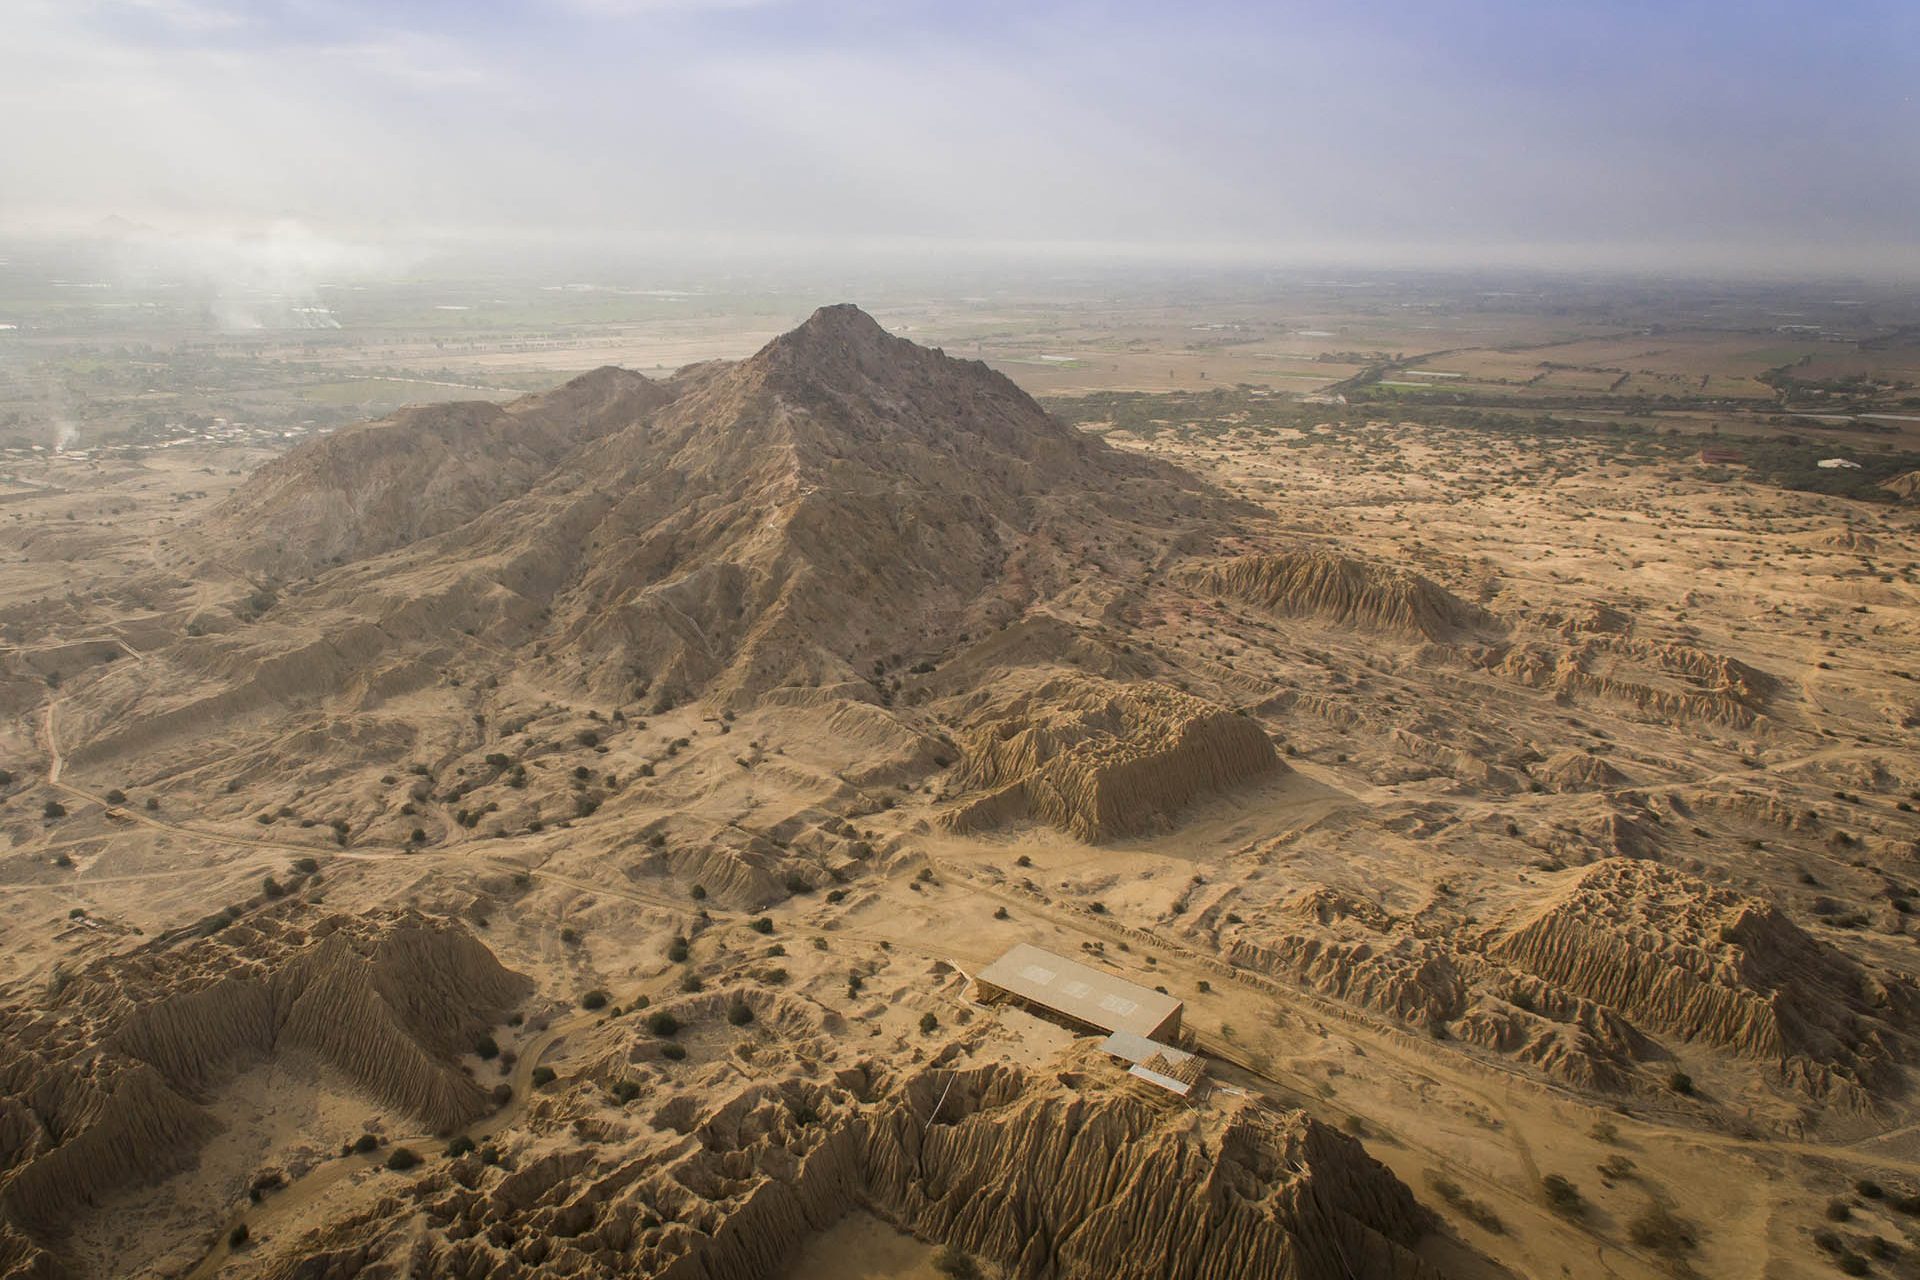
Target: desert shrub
954 1261
739 1013
1562 1196
542 1076
1659 1229
625 1091
1473 1210
1616 1167
594 999
673 1052
1838 1210
364 1143
459 1147
662 1023
487 1047
761 924
400 1159
677 950
238 1236
53 809
928 1024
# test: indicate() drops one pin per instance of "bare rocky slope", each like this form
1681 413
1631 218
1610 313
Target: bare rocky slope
839 499
386 484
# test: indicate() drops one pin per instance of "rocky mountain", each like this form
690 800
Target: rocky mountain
840 497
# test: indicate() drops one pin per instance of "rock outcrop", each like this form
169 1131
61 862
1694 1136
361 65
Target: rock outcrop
1102 759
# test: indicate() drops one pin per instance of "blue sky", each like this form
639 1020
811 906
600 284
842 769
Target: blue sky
1707 133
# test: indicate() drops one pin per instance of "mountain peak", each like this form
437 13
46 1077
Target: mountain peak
834 335
840 320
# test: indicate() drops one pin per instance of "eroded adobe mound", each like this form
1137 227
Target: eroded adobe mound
1569 771
1347 590
1069 1172
1679 956
106 1082
1905 486
1665 680
1102 759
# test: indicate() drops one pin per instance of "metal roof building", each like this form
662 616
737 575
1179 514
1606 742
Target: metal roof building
1088 999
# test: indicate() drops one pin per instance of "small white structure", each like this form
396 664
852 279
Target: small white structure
1835 464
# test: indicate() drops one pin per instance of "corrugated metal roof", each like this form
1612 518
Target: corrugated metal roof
1093 996
1137 1048
1180 1088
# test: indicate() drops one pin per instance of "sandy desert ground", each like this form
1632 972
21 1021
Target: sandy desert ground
1528 827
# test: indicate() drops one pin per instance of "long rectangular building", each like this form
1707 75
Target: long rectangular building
1090 1000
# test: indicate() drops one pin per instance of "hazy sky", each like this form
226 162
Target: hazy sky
1669 131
